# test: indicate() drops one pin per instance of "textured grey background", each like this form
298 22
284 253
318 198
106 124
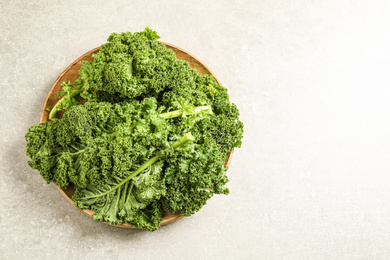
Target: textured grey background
311 79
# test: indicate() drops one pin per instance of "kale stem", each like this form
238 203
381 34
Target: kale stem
187 137
57 106
178 113
78 152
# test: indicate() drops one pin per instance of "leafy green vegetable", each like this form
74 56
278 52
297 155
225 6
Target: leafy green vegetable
193 177
120 148
119 201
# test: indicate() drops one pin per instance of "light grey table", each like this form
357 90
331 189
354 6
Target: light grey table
311 79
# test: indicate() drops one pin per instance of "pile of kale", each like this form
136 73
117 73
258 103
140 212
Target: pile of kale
152 137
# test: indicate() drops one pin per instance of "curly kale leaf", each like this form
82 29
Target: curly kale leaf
224 127
129 199
193 176
135 202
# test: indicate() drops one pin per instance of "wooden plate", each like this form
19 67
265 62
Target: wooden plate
71 74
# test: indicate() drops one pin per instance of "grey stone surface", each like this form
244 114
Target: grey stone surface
311 79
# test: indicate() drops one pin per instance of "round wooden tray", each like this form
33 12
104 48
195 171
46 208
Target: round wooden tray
71 74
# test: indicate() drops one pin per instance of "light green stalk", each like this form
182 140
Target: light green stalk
57 106
178 113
